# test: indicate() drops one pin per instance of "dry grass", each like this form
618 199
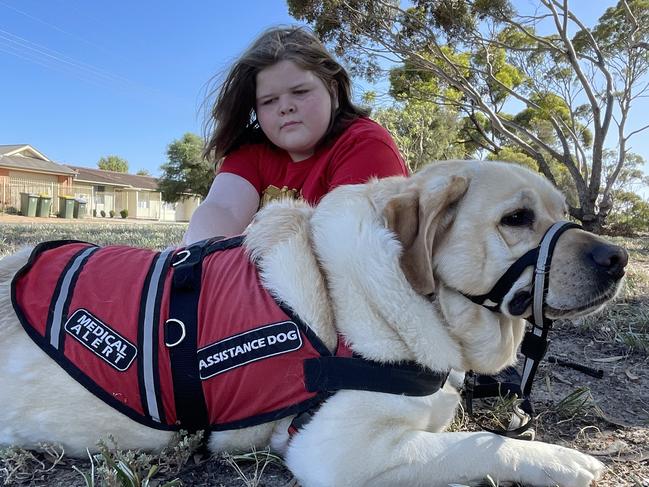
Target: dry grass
18 465
258 460
626 321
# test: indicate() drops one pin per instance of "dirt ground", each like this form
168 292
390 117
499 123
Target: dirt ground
611 422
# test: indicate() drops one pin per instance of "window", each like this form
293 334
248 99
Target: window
143 201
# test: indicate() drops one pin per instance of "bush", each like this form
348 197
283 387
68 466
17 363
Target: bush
102 213
112 213
629 217
94 213
124 213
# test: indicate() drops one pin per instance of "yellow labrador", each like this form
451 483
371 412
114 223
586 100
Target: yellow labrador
387 265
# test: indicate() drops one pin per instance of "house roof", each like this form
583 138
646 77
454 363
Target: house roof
5 149
27 158
113 178
22 149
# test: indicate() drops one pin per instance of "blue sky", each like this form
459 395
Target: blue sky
83 79
87 79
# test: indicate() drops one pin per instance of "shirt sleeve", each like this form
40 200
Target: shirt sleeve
366 158
244 162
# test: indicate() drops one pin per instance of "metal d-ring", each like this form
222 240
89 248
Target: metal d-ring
185 253
182 336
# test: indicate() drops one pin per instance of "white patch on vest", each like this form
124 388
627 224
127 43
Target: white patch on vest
251 346
101 339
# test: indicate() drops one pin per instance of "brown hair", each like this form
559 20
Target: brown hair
232 120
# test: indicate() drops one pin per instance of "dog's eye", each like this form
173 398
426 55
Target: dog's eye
518 218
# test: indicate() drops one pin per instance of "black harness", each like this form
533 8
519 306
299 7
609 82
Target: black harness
535 342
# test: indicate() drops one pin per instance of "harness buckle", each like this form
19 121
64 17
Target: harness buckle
172 339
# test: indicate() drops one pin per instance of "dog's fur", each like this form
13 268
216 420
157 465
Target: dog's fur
381 264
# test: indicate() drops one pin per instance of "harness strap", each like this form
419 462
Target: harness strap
522 414
493 299
537 341
181 337
330 374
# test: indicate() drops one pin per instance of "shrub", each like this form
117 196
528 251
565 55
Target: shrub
124 213
94 213
102 213
112 213
630 215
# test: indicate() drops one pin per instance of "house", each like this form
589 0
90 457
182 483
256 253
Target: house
23 169
110 190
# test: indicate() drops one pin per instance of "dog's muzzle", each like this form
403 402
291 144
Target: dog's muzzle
539 257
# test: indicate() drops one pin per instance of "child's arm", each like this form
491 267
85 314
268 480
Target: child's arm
227 210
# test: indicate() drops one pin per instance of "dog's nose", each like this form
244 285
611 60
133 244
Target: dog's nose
610 258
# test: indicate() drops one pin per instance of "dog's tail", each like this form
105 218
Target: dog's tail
10 264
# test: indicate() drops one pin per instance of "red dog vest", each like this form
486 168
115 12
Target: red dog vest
101 313
188 338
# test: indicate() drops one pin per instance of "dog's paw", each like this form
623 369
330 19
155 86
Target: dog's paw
567 468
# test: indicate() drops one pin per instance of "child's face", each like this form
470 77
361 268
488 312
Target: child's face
293 108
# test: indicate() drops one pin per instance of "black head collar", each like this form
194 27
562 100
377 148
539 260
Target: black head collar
535 342
540 257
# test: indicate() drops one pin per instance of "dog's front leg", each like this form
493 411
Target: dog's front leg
368 446
445 458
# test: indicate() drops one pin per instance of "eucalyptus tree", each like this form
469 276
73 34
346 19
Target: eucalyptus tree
534 79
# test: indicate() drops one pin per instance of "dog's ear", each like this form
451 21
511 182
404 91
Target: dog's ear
416 217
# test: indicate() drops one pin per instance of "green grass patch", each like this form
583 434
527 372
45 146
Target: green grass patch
14 236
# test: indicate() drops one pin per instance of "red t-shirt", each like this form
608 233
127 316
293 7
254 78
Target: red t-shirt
363 150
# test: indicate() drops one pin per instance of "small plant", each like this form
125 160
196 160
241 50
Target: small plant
124 213
259 460
102 213
112 213
117 468
19 465
577 404
94 213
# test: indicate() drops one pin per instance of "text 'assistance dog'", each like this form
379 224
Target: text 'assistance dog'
327 332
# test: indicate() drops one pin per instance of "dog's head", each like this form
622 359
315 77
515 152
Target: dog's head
464 223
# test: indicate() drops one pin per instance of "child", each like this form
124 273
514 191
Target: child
284 125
